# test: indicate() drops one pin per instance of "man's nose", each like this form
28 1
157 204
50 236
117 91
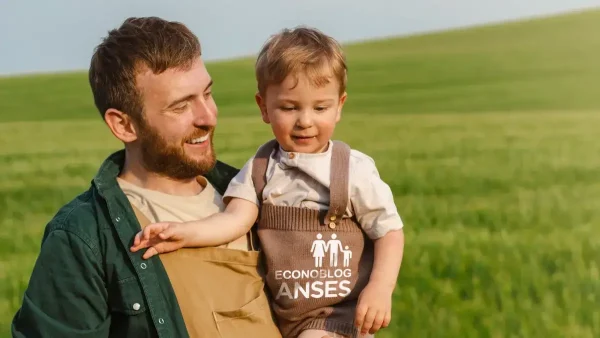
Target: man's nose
205 114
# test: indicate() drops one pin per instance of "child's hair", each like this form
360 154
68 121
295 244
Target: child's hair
301 50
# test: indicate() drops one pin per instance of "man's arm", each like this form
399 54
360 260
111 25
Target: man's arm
66 295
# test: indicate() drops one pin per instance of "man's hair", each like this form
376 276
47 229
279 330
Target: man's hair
147 42
300 50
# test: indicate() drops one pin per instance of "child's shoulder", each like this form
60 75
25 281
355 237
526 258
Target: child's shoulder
361 164
262 150
359 159
266 148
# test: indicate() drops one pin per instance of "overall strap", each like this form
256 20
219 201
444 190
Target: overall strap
142 219
339 181
259 167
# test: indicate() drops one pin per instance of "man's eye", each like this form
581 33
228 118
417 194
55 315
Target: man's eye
180 107
208 94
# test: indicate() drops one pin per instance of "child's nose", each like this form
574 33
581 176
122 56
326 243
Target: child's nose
304 120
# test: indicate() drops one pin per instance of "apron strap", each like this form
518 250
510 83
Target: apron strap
142 219
338 186
259 167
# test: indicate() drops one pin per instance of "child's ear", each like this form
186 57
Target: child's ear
263 107
340 106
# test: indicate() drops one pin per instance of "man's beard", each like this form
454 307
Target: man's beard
170 160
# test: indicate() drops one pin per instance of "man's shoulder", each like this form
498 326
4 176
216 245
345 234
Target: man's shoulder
220 176
78 218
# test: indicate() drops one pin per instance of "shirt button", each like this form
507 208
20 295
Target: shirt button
143 265
291 156
332 225
118 219
161 321
136 306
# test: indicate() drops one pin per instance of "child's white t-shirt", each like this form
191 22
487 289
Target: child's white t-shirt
302 180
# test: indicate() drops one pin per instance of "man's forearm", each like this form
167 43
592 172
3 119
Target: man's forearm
389 250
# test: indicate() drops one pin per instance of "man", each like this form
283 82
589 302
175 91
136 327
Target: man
154 93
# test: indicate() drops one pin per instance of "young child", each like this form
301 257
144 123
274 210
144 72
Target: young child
327 224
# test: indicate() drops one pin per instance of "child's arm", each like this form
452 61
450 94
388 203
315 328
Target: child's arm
374 303
373 204
223 227
217 229
388 257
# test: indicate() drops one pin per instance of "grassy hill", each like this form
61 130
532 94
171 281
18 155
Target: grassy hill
543 64
487 137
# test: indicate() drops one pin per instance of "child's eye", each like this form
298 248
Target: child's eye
321 108
287 108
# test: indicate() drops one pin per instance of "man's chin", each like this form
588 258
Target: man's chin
205 160
203 164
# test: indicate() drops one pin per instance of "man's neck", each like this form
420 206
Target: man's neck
134 173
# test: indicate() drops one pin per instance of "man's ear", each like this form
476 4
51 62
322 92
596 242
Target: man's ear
120 125
340 106
263 108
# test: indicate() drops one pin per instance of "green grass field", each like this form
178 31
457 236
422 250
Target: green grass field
486 136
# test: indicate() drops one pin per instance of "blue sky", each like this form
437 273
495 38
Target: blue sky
47 36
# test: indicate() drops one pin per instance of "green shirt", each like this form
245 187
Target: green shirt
87 283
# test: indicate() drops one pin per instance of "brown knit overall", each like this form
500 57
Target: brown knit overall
308 291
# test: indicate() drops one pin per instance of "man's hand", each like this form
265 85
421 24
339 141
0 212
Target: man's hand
159 238
374 308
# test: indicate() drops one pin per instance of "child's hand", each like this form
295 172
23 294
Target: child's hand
374 308
159 238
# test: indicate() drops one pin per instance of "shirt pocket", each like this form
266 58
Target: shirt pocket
129 311
254 319
128 297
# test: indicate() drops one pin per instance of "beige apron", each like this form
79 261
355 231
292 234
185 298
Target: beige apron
220 291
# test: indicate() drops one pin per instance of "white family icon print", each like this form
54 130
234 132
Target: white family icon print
333 247
328 282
